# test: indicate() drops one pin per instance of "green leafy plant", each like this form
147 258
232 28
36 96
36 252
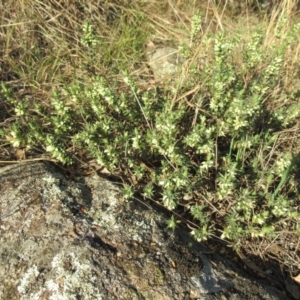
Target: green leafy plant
223 143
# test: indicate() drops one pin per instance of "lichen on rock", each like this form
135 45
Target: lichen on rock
62 239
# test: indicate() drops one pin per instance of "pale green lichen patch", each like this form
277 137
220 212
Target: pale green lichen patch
69 274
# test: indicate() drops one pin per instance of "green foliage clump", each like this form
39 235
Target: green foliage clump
222 146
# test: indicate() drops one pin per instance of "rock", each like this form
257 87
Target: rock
61 239
164 61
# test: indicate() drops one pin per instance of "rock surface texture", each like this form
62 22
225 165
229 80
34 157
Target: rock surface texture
164 61
61 239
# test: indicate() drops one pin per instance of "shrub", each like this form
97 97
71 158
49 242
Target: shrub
217 153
